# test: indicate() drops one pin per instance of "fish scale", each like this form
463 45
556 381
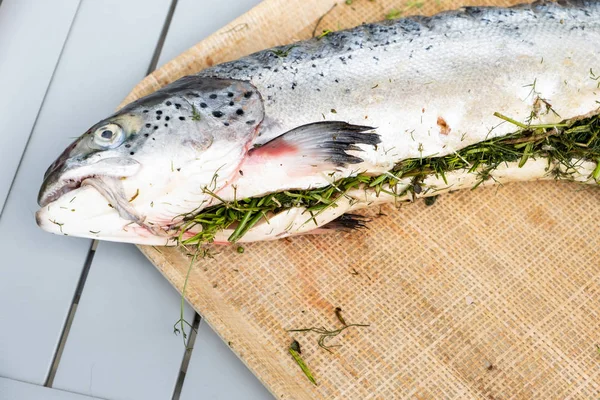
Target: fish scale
457 68
312 113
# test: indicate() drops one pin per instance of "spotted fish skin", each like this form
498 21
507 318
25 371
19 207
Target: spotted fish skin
463 55
431 85
407 88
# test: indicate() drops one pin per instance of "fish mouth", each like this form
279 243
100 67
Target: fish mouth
110 188
86 214
46 197
62 178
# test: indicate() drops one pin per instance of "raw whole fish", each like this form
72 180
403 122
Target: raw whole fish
358 102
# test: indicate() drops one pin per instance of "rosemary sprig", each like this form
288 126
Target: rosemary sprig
559 143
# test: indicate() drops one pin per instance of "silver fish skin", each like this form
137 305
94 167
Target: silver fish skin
303 115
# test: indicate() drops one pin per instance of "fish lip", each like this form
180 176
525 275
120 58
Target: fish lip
45 197
62 178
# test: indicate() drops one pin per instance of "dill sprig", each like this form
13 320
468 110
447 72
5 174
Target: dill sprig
180 325
560 144
326 334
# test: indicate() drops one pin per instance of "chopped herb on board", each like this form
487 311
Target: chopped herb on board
295 352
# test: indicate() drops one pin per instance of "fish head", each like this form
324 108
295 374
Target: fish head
136 175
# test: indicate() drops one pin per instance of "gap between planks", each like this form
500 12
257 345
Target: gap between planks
71 315
187 356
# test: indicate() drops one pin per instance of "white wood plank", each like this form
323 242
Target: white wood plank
216 373
16 390
107 53
194 20
122 337
30 45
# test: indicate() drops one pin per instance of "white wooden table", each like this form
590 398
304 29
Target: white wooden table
79 322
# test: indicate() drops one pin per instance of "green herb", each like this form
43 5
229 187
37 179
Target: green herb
181 321
314 32
179 325
393 14
325 33
137 193
595 77
325 334
349 2
338 314
414 4
60 224
296 356
429 201
240 249
283 52
560 144
195 114
296 347
156 248
396 13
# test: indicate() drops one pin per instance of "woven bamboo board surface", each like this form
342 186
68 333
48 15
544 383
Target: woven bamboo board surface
491 293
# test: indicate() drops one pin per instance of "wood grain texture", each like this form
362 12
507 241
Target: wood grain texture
490 293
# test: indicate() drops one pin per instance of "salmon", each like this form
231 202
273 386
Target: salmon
384 112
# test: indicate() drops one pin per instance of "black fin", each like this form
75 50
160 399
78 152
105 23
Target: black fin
347 223
322 142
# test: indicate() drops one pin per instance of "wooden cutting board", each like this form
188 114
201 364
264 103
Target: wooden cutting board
491 293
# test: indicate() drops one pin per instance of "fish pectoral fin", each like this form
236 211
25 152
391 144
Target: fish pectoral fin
346 223
318 146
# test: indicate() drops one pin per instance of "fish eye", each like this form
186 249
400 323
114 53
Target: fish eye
109 136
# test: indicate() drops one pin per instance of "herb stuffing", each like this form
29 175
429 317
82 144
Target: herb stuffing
563 145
